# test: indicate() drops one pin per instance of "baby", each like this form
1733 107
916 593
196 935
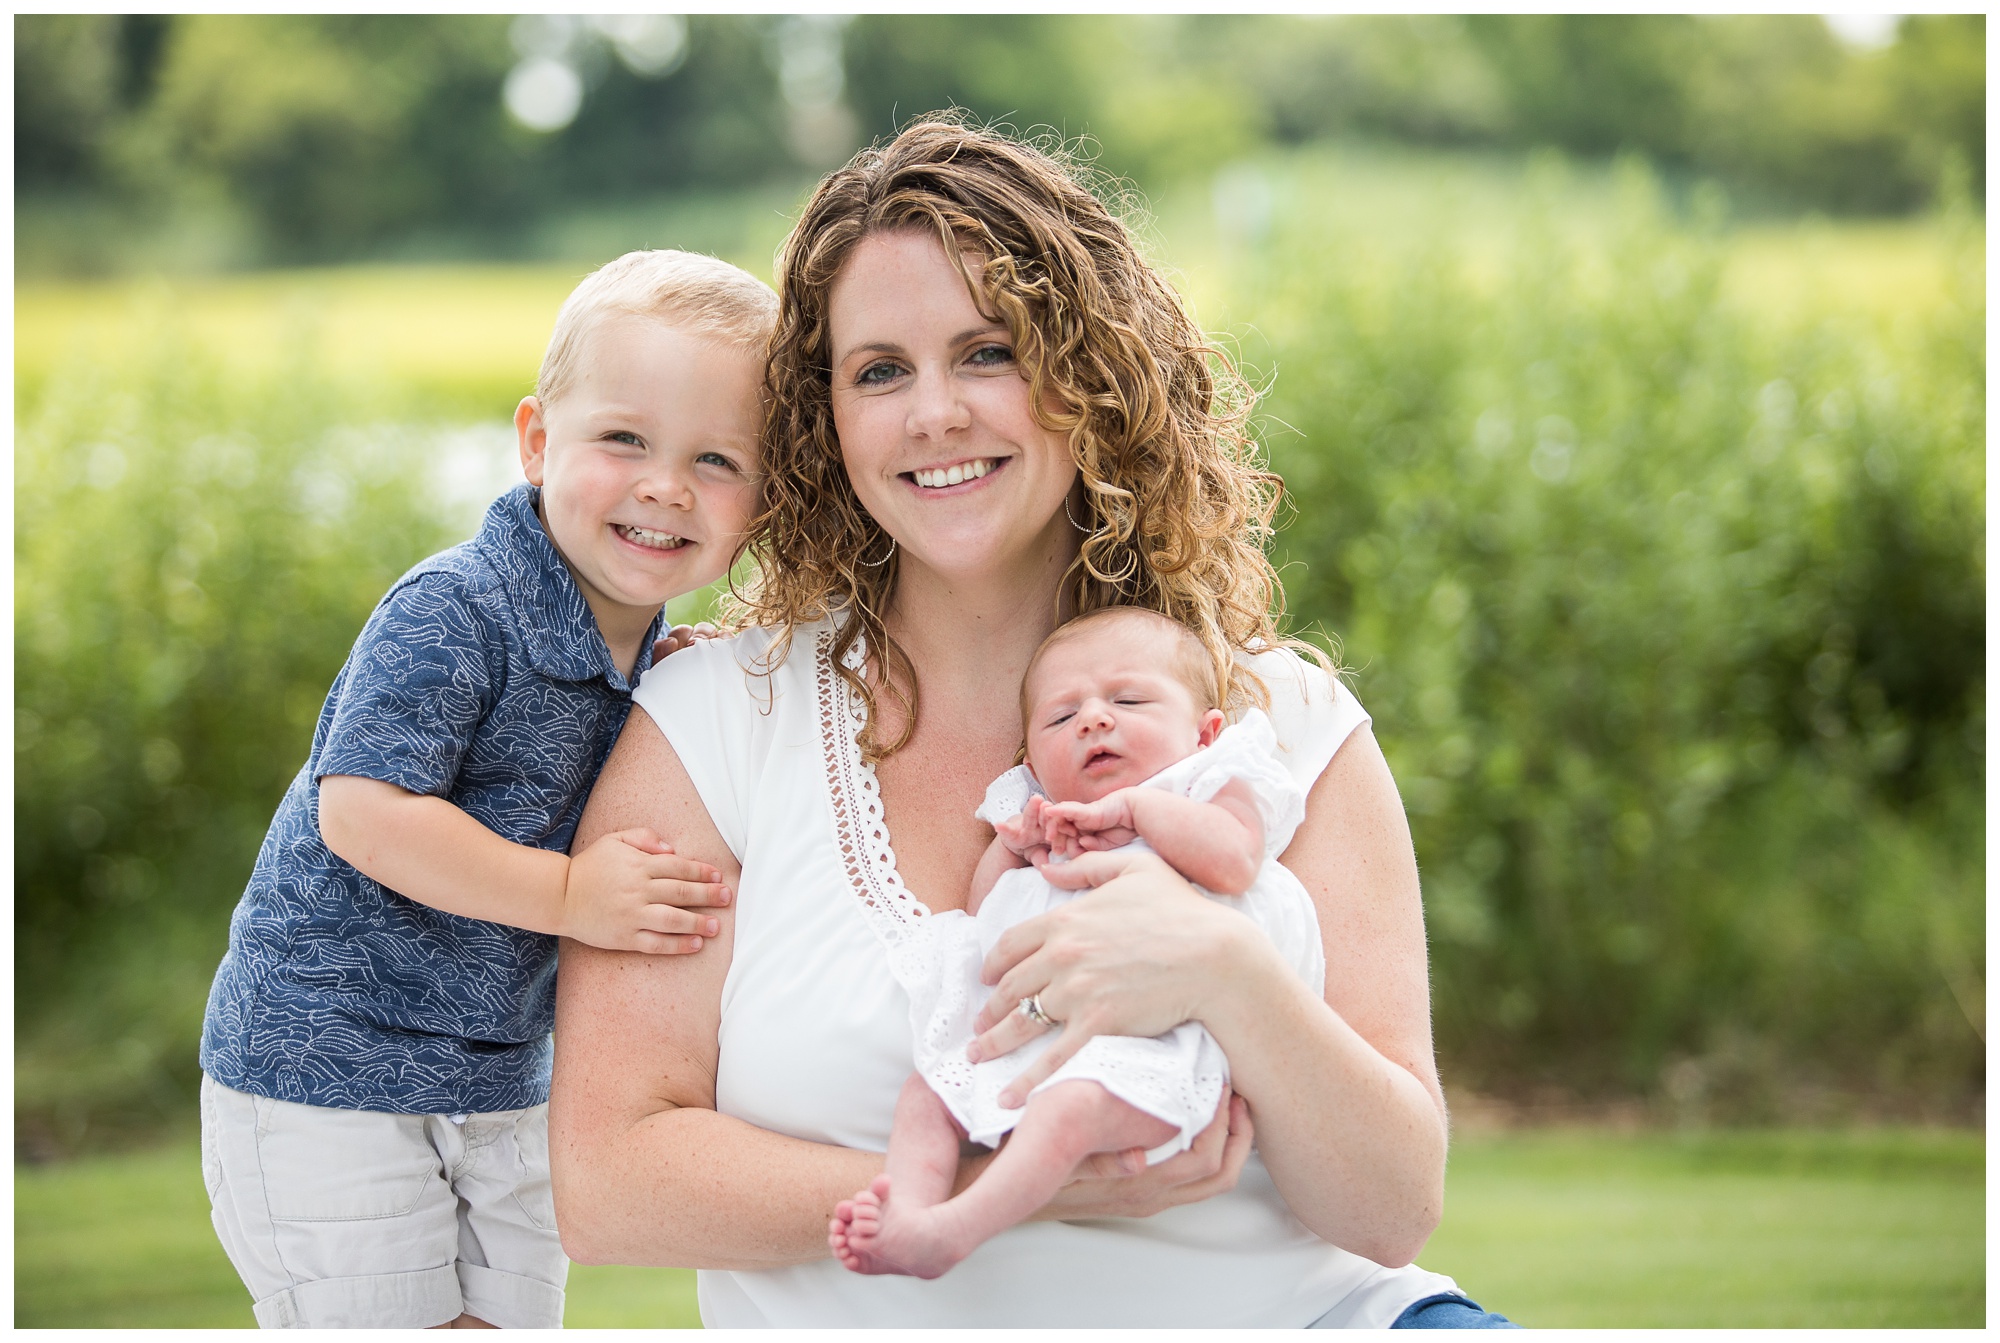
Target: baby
1126 747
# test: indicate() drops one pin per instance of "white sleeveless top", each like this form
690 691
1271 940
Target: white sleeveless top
815 1037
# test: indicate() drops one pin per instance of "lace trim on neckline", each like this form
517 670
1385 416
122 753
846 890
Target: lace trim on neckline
860 827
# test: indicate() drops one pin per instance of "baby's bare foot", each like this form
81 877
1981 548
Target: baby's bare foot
838 1233
871 1234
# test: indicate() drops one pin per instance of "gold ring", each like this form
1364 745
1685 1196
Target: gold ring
1031 1008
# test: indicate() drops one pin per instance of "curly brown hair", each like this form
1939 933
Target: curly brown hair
1179 505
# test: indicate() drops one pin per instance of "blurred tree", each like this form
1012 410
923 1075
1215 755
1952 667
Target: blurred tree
66 92
713 119
337 131
1145 95
1406 76
1787 111
1026 70
338 136
1594 83
1938 71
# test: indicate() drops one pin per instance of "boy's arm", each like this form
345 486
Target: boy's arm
1217 844
626 892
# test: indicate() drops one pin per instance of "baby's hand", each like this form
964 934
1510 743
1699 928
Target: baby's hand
1084 827
1023 834
630 892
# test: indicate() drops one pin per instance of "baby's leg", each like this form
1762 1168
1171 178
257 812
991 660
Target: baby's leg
922 1163
1060 1127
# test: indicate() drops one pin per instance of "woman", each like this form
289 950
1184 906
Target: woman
988 414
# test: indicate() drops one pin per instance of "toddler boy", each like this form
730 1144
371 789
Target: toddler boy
376 1050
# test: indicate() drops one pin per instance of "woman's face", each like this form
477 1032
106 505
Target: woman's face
933 415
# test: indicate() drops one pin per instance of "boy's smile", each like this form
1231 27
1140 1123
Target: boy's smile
647 466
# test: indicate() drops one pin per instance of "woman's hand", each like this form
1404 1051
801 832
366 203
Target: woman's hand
1135 956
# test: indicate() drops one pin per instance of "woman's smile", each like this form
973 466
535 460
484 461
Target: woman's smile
946 479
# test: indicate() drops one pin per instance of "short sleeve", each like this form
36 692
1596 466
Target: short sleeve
705 700
1007 796
420 680
1311 711
1246 750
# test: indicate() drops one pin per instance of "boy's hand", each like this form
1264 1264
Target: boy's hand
630 892
679 637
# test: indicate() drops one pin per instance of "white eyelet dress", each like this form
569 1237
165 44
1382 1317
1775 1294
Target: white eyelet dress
815 1038
1178 1076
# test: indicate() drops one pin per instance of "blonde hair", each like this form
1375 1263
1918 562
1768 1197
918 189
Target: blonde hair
683 289
1177 506
1189 663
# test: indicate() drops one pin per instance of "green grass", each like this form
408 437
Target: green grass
1551 1227
1870 1229
123 1242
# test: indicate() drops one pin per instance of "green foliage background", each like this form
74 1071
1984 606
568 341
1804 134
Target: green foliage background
227 139
1674 624
1663 575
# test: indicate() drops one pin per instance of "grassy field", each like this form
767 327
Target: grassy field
1556 1228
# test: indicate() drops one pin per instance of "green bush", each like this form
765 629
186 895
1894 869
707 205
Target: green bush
194 553
1672 624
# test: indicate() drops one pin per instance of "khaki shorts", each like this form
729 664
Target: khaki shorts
361 1219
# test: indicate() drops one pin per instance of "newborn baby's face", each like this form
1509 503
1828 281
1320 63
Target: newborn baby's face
1106 712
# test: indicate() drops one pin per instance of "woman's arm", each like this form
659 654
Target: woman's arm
645 1170
1349 1113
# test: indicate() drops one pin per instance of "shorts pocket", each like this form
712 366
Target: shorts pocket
327 1165
532 1189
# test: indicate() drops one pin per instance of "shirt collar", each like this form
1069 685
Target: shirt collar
560 633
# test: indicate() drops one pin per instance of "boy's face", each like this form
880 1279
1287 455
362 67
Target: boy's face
647 465
1105 713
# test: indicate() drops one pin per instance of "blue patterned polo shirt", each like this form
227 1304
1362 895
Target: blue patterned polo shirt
481 679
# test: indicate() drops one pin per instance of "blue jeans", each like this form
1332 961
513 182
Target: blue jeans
1450 1312
1446 1310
